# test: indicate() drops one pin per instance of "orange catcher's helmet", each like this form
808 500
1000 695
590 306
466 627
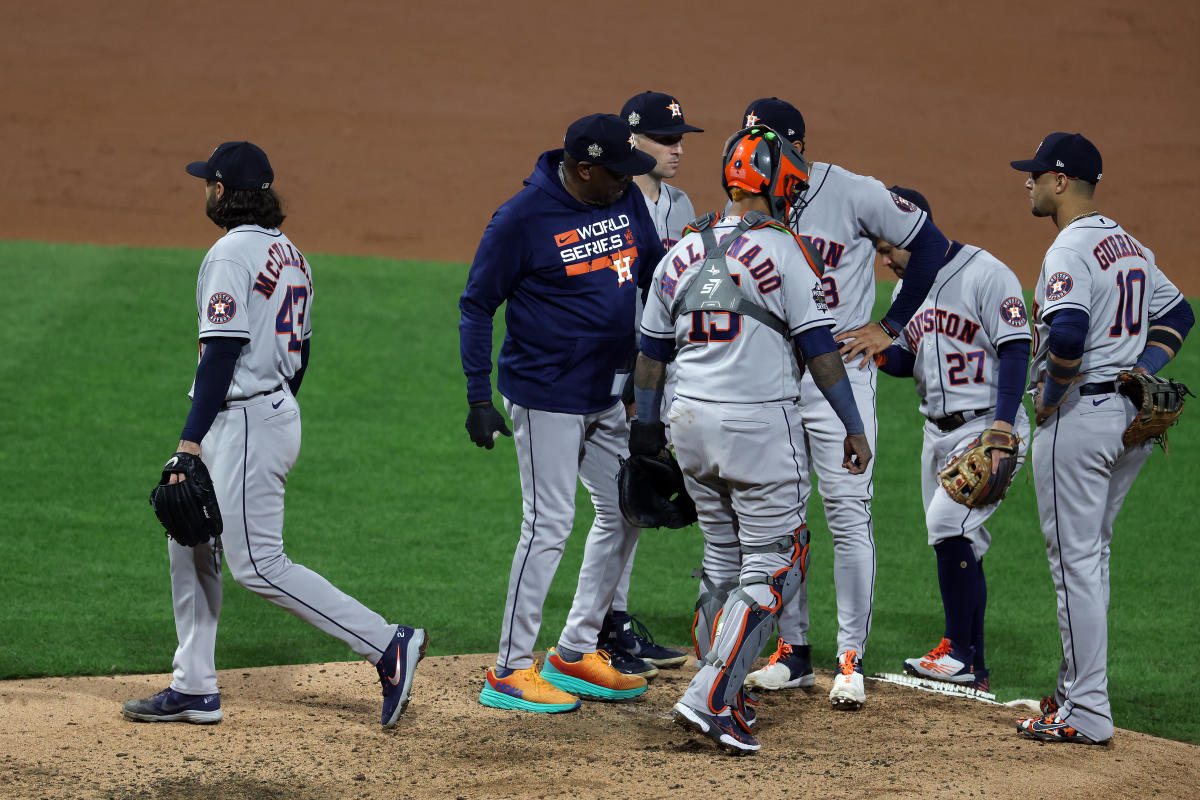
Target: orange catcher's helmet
760 161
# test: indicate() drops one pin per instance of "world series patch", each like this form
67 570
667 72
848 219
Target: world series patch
1012 311
902 204
1059 286
221 308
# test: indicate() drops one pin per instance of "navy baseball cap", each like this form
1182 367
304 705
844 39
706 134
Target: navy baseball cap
238 165
779 115
606 140
656 113
914 197
1067 153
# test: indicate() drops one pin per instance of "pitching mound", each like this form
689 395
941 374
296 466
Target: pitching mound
312 732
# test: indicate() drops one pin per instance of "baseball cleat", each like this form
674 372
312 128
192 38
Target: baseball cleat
172 706
982 682
745 711
591 677
1050 728
525 690
943 663
396 670
848 693
1048 705
625 634
721 730
627 664
789 667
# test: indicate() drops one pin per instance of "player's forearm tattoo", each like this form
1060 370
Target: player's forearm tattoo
649 373
827 368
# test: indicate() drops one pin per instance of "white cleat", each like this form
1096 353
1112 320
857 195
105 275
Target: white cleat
790 667
848 693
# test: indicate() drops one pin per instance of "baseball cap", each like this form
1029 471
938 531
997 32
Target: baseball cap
779 115
1068 153
914 197
606 140
656 113
238 165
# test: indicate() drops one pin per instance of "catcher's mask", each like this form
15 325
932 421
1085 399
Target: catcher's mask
760 161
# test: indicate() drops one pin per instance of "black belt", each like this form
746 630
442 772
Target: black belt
1106 387
958 419
225 405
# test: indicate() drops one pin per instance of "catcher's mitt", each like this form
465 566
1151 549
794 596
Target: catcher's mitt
970 479
651 493
187 509
1159 402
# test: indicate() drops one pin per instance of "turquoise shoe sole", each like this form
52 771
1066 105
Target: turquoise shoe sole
490 697
586 689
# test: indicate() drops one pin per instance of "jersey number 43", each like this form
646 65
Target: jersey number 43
290 319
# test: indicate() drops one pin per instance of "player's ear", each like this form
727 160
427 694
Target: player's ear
220 191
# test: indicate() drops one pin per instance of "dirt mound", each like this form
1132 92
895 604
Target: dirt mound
312 732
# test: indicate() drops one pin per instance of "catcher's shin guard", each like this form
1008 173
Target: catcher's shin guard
772 575
708 611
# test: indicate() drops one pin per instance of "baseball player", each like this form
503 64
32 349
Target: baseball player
842 214
567 254
731 304
658 126
254 298
968 349
1101 306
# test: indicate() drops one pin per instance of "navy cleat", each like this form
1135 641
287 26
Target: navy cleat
721 730
396 670
172 706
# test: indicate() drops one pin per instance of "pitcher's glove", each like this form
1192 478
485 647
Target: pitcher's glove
650 493
970 479
1159 402
187 509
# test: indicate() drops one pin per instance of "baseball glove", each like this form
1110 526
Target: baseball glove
187 509
1159 402
651 493
970 479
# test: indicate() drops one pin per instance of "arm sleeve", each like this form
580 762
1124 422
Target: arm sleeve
659 349
897 362
494 273
213 376
295 380
1068 332
1010 379
928 250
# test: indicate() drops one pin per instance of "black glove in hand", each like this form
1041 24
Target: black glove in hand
485 424
647 438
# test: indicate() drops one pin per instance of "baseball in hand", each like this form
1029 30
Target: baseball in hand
495 435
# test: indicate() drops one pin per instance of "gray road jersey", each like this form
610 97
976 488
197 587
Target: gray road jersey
671 214
973 307
255 285
1096 267
842 215
723 357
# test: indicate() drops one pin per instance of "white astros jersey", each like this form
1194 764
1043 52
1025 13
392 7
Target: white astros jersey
973 307
1098 268
671 214
728 358
841 214
254 284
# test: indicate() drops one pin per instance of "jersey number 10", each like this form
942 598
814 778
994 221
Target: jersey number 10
1129 303
284 326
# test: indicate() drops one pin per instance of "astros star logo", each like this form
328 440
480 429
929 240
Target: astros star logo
1012 311
751 120
631 141
221 308
674 109
1059 286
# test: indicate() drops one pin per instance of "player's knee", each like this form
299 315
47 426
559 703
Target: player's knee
848 515
259 573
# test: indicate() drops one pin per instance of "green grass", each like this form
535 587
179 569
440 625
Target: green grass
392 502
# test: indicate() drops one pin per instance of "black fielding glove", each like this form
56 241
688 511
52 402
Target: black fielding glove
485 424
647 438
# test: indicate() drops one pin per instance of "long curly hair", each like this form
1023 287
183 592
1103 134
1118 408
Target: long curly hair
247 207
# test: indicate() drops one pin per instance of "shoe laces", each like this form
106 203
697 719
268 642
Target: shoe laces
639 630
942 649
538 681
782 650
847 663
604 654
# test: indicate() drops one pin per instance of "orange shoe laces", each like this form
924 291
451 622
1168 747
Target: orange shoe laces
847 665
942 649
782 650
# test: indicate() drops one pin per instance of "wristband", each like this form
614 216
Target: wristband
883 323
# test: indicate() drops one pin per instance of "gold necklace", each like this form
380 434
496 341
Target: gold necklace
1081 216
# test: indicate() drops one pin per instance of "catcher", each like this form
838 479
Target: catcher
968 349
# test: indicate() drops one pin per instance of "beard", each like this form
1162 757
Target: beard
210 210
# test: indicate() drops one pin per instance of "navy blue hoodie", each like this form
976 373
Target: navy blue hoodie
570 274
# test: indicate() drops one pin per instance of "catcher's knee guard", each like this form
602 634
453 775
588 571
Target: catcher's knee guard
771 576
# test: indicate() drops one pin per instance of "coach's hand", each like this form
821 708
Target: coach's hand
866 342
485 424
858 453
